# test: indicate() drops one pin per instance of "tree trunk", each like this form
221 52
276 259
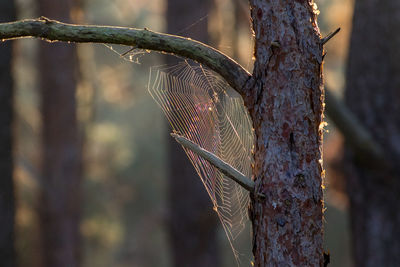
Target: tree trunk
192 223
61 164
373 94
285 100
7 205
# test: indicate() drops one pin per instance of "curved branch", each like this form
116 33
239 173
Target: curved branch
52 30
368 151
221 165
230 70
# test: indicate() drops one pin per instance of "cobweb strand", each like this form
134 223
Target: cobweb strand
202 107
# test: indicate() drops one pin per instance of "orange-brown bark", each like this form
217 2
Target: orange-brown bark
285 99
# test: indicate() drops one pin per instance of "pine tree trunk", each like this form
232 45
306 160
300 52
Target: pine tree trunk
192 223
285 100
373 94
7 204
61 164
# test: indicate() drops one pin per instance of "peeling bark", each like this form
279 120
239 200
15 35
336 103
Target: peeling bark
285 99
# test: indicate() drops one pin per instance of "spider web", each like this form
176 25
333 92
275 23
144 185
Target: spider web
202 107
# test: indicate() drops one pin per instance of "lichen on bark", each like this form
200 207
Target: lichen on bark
285 99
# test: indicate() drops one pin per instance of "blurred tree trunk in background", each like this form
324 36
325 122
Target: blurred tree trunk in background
192 223
7 204
373 94
60 201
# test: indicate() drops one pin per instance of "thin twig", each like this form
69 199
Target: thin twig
231 71
127 52
329 36
52 30
218 163
368 150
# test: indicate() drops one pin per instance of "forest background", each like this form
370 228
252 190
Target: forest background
123 138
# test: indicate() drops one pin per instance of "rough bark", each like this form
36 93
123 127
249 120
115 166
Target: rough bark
232 72
285 97
373 94
7 204
192 224
61 163
285 100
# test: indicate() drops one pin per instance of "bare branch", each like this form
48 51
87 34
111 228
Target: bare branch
52 30
370 152
218 163
329 36
231 71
